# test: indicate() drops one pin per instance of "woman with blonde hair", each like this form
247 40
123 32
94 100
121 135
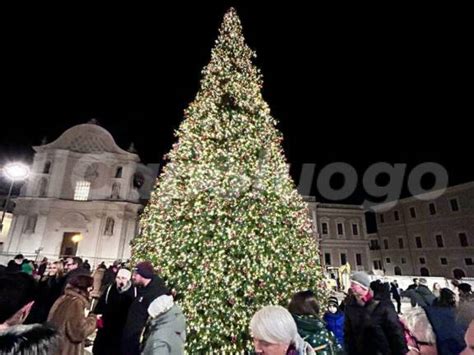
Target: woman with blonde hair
274 332
50 288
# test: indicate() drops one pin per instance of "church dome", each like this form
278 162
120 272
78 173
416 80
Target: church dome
88 138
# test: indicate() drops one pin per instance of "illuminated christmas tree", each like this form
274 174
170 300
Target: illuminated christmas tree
225 224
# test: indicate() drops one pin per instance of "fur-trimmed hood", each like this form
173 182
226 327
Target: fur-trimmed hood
34 339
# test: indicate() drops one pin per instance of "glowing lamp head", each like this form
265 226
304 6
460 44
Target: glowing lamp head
16 171
76 238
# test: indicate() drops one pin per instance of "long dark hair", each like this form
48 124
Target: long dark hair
304 304
446 298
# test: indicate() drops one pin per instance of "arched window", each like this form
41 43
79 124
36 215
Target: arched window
115 191
397 270
138 180
47 167
118 172
42 190
458 274
109 226
424 271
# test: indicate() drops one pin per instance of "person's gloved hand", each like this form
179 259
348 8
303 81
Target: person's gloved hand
100 322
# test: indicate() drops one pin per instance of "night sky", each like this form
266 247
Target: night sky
344 85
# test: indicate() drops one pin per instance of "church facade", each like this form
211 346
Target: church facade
83 198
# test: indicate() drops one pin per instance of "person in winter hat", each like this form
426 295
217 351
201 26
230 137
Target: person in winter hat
274 331
149 287
68 315
371 326
334 319
305 311
165 332
113 308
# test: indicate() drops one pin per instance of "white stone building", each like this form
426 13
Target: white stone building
342 234
82 198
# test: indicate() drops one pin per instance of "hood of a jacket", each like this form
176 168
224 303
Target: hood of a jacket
125 288
309 323
160 305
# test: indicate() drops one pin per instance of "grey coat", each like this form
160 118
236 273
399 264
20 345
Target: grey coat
166 334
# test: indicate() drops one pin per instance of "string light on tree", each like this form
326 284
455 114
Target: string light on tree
225 224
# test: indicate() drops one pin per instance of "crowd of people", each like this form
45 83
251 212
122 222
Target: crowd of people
55 308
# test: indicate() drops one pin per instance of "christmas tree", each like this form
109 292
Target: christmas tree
225 224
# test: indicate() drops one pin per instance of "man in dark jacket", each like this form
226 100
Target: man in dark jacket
42 267
17 292
371 326
74 267
426 297
414 285
150 287
113 305
396 295
15 264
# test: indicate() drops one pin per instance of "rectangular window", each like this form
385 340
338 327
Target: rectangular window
463 239
327 258
432 208
454 204
340 229
387 260
355 229
412 212
359 259
81 193
439 241
418 242
403 260
422 261
396 215
444 261
400 243
324 228
468 261
30 225
374 244
385 243
343 258
382 219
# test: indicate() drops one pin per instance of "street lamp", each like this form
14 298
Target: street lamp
14 172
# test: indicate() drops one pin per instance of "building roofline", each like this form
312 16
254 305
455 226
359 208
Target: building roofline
332 205
425 196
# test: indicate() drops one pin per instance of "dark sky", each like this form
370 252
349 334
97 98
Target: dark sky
346 85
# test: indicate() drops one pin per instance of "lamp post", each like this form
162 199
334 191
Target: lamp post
14 172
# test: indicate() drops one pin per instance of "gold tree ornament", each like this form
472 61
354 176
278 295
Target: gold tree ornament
225 223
